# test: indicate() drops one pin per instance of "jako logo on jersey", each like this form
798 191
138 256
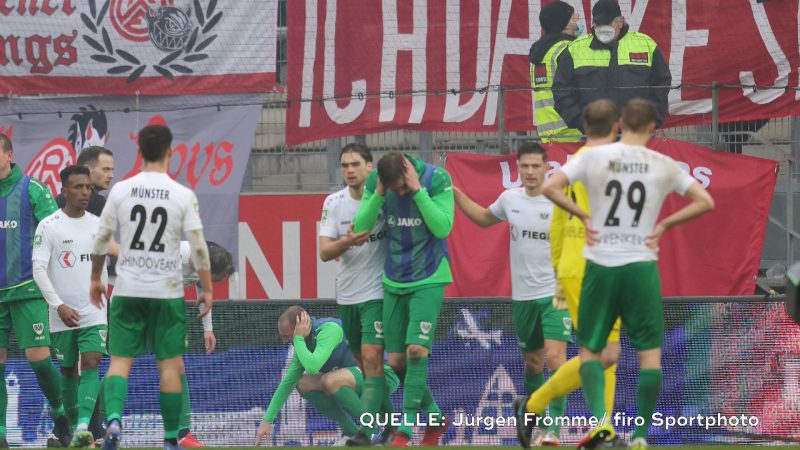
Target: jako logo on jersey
403 221
8 224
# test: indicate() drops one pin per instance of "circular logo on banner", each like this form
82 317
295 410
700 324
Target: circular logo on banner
129 17
49 161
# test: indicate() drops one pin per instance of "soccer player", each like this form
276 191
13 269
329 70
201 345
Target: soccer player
359 292
152 211
542 330
322 369
78 330
627 184
24 202
416 200
100 162
566 240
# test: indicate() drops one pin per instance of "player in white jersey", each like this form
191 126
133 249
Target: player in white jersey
61 268
359 291
542 330
148 311
627 184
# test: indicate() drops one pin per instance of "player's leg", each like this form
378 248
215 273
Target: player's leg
345 386
127 338
91 342
185 437
643 319
167 332
65 349
310 388
30 321
528 328
349 315
5 328
609 358
395 323
557 330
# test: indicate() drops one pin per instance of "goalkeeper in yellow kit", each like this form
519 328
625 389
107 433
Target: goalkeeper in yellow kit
566 244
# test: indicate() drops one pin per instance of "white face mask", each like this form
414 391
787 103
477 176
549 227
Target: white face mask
604 33
579 28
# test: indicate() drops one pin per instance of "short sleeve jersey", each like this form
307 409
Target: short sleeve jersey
358 277
152 211
66 244
627 185
528 218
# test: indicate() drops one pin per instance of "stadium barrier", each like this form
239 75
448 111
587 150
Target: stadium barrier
733 360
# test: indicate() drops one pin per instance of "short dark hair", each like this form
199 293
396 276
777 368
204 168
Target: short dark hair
221 259
154 141
638 114
531 148
391 168
5 143
358 148
290 315
599 118
90 155
73 170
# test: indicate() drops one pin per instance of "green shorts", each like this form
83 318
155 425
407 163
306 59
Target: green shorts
410 315
30 321
633 292
68 344
537 320
556 323
392 380
136 325
362 323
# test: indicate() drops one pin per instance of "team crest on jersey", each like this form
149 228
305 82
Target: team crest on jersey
103 335
38 328
540 74
378 328
425 327
59 355
37 240
324 215
567 323
544 215
640 57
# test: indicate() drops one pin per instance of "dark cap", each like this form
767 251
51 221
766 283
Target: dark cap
605 11
555 16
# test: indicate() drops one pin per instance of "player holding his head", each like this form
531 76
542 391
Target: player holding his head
416 200
359 293
322 369
148 310
24 203
600 121
627 184
61 267
542 330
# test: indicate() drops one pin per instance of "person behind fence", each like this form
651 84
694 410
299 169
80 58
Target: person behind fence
359 292
24 203
100 162
612 62
627 184
561 26
148 312
324 372
600 120
543 328
416 200
61 268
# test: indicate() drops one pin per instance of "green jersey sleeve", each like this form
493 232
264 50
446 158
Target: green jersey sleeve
288 382
436 205
42 202
329 336
371 203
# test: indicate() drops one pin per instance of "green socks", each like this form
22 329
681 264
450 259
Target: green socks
186 405
373 396
49 381
557 407
532 382
328 407
115 391
171 404
349 401
415 390
87 395
593 381
646 398
69 395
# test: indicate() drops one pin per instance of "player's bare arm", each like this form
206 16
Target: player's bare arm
475 212
330 248
202 264
97 290
701 202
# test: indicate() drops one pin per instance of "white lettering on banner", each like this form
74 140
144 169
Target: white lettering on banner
504 45
682 38
764 96
700 173
359 87
453 110
326 274
394 42
250 251
633 16
309 59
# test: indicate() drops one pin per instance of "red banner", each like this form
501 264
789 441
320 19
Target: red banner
435 65
717 254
